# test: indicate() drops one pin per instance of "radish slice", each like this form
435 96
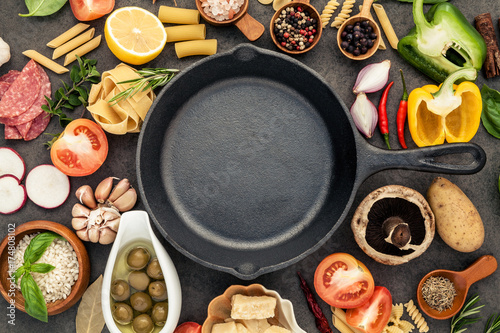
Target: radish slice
12 194
11 163
47 187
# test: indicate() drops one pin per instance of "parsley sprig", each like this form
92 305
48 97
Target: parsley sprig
76 94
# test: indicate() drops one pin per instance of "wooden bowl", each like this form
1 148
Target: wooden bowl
314 14
32 227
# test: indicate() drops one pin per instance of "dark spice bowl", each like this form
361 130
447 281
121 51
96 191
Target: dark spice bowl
6 252
306 7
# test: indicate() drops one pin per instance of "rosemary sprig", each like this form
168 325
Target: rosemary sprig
69 97
459 320
150 78
495 324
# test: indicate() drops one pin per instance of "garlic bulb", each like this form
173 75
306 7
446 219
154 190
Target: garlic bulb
4 52
97 217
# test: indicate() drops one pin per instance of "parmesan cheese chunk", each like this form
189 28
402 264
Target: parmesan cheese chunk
252 307
241 328
256 325
277 329
229 327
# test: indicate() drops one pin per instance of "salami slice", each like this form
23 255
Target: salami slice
10 77
24 128
38 125
36 108
11 133
22 92
4 86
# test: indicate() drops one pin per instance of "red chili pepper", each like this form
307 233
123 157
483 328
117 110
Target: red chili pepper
383 123
402 111
321 321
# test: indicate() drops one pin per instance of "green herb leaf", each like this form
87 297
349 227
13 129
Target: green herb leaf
18 273
42 268
459 320
495 324
491 110
38 245
34 303
43 7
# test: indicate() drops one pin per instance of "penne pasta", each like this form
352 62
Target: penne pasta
175 15
386 25
185 32
46 62
82 50
340 316
340 325
381 46
73 43
67 35
196 47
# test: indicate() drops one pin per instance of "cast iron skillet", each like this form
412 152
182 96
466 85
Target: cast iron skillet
248 161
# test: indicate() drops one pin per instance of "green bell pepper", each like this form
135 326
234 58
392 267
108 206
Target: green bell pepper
442 41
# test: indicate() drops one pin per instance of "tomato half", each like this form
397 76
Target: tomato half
81 149
343 282
372 316
87 10
188 327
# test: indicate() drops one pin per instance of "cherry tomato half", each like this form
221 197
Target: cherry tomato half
188 327
87 10
81 149
343 282
372 316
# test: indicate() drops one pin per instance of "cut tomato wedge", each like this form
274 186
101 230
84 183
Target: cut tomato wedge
81 149
87 10
188 327
343 282
374 315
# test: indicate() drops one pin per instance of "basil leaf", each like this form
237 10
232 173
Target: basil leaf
18 273
34 303
38 245
42 268
491 110
43 7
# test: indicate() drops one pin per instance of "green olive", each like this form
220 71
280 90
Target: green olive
138 280
141 301
120 290
138 258
122 313
158 291
159 313
143 324
154 270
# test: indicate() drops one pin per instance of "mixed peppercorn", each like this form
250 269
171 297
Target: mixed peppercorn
295 29
358 38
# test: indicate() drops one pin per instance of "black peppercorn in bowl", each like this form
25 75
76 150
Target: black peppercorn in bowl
296 27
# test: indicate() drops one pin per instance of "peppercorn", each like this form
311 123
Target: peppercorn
358 38
295 28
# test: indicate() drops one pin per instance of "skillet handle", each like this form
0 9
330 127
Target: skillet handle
423 159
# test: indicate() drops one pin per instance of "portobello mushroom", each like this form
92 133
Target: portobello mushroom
393 224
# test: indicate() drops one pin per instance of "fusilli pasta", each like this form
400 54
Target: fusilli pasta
328 11
392 329
416 316
405 326
344 14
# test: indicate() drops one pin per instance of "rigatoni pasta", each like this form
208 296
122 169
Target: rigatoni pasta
196 47
185 32
176 15
73 43
67 35
82 50
386 25
46 62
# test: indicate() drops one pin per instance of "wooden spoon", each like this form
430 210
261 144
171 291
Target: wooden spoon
362 16
481 268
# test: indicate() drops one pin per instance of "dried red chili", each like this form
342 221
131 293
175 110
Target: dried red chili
383 123
321 321
402 111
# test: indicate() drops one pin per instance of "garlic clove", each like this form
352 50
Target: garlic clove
113 224
103 190
364 114
79 222
83 234
4 52
126 201
94 234
372 77
110 215
86 196
80 210
120 189
107 236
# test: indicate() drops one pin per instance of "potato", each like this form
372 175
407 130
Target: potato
457 220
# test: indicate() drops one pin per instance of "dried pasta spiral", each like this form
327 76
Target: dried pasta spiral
416 316
396 313
344 13
406 326
392 329
327 12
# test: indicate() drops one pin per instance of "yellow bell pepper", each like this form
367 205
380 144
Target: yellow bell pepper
449 112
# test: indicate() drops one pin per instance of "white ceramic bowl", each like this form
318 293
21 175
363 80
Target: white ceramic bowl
135 226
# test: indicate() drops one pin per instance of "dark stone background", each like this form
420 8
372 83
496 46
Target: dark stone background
200 284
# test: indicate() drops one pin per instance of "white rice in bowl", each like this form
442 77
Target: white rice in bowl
57 283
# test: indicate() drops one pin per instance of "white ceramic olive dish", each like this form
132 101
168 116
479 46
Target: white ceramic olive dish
135 228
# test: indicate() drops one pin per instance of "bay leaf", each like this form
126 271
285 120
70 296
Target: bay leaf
89 318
